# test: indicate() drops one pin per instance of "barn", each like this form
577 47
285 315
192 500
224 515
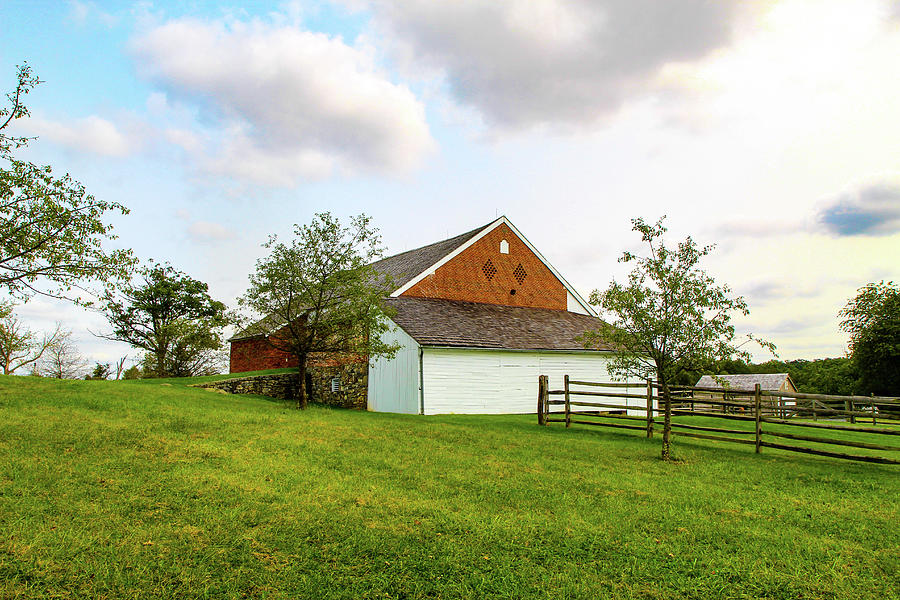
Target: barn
477 317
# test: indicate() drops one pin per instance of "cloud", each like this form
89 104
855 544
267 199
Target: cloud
206 231
92 134
561 63
756 228
83 12
281 103
870 209
776 289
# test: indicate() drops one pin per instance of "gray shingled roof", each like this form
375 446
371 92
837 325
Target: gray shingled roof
261 328
766 381
434 322
403 267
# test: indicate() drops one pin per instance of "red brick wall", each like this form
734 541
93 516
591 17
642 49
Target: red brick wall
257 355
464 278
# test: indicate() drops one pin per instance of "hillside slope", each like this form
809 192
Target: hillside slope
149 489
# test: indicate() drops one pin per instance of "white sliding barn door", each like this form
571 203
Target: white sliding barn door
466 381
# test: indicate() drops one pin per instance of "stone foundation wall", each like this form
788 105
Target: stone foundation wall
353 388
280 385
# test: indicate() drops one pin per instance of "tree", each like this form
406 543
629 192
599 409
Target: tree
320 294
120 366
670 317
872 319
51 230
99 373
62 359
19 346
169 315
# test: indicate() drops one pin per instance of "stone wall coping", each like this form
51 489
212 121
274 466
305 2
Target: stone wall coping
245 378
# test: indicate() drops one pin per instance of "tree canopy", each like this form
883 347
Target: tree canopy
169 315
51 230
19 345
872 319
670 317
63 360
318 294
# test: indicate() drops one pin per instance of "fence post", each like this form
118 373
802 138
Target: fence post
758 401
546 398
540 406
649 408
873 410
568 407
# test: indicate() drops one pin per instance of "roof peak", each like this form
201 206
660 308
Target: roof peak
465 235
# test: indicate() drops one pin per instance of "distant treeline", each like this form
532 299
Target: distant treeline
820 376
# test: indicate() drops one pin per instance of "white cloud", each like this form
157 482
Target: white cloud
85 12
527 63
206 231
284 103
91 134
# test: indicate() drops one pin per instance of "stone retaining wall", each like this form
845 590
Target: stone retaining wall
352 392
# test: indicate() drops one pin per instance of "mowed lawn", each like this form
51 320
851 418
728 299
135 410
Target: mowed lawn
155 490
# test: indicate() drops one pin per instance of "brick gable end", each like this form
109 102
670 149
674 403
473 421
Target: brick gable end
481 273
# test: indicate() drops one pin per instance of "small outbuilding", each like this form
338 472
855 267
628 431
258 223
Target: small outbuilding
740 388
772 382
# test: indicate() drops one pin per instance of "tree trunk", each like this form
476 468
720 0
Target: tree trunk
161 363
301 387
667 420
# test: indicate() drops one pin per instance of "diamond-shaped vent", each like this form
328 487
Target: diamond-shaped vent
489 269
520 274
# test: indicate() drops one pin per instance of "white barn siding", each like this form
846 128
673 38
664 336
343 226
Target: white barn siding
470 381
394 384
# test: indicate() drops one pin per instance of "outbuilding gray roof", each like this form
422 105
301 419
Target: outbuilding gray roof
766 381
435 322
404 267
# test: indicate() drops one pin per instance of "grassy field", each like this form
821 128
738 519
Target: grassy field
155 490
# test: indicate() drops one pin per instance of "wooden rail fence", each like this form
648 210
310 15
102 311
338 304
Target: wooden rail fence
769 416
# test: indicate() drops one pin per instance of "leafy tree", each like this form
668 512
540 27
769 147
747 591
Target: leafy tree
319 293
670 317
196 351
169 315
62 359
100 373
132 372
19 346
51 230
872 319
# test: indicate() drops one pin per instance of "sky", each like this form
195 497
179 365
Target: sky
770 129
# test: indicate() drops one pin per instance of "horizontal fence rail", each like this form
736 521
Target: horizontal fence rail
770 416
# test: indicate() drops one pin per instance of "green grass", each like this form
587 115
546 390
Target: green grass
157 490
